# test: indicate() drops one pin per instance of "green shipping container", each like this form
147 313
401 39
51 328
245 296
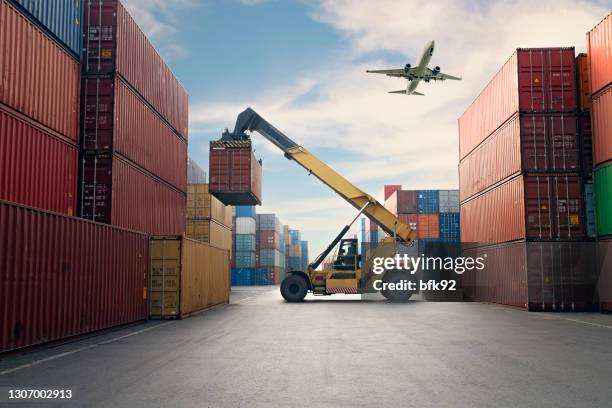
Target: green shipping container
603 200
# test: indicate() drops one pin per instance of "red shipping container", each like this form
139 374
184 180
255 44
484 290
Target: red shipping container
534 207
402 202
389 189
601 119
117 120
536 276
533 80
36 168
38 78
526 142
234 173
115 192
115 44
599 44
428 226
268 240
411 220
62 276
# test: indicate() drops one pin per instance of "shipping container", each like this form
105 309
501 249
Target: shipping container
586 144
187 276
295 236
295 250
201 205
245 225
448 201
211 232
245 242
601 120
603 200
39 78
60 19
427 202
245 259
268 222
525 143
241 276
113 191
244 211
539 207
235 173
450 229
117 120
402 202
411 220
36 168
63 276
195 173
264 276
269 257
115 44
390 189
294 263
305 257
604 270
533 80
589 210
536 276
599 43
268 240
429 226
582 82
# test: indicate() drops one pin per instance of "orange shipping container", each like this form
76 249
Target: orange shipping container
428 226
37 77
601 118
584 87
599 44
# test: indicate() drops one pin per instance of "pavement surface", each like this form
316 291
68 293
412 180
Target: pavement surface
335 351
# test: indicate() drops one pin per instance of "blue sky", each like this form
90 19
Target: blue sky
301 65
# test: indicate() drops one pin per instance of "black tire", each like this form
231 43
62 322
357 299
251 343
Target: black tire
396 295
294 288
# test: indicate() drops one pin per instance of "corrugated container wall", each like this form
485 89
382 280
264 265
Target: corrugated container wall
195 174
268 222
117 120
402 202
603 200
62 19
36 168
115 44
211 232
245 211
245 242
201 205
599 44
116 192
235 173
39 78
533 80
245 225
582 82
601 119
448 201
427 202
66 276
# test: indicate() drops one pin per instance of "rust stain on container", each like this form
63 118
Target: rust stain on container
36 168
66 276
40 78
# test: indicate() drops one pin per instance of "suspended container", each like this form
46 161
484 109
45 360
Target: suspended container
235 173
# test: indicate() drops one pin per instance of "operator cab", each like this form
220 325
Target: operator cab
347 258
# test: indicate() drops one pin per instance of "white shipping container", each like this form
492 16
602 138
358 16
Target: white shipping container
245 225
449 201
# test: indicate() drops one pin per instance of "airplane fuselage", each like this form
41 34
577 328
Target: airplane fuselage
421 69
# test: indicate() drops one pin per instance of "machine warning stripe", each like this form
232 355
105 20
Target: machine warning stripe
348 291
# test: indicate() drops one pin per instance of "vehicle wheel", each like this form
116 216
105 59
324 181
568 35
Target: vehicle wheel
294 288
396 295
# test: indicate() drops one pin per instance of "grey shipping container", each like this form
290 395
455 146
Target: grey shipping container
449 201
195 174
269 257
268 222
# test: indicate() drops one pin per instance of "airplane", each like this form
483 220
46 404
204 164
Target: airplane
414 75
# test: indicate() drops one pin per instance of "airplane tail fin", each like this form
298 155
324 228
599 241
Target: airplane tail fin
403 91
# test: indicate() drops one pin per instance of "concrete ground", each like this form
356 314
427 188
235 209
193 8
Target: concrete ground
336 351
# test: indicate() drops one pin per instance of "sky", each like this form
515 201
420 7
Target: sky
301 65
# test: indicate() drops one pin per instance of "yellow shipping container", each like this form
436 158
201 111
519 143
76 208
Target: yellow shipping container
211 232
186 276
287 235
295 250
203 206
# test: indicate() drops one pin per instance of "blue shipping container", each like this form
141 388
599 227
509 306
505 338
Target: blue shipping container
294 263
245 242
304 245
428 202
244 259
295 236
241 276
245 211
60 19
262 276
450 229
269 257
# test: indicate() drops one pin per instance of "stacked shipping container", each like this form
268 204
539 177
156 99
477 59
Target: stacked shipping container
134 142
269 230
208 219
245 238
521 161
599 44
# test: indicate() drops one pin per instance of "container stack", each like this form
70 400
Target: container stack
39 100
134 144
521 186
269 231
599 44
245 238
305 259
295 251
208 219
195 174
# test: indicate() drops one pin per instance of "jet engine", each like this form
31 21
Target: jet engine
436 70
407 68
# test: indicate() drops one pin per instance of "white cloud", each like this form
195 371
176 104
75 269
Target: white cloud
408 140
158 19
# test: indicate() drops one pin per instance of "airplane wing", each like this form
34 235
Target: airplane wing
442 76
389 72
